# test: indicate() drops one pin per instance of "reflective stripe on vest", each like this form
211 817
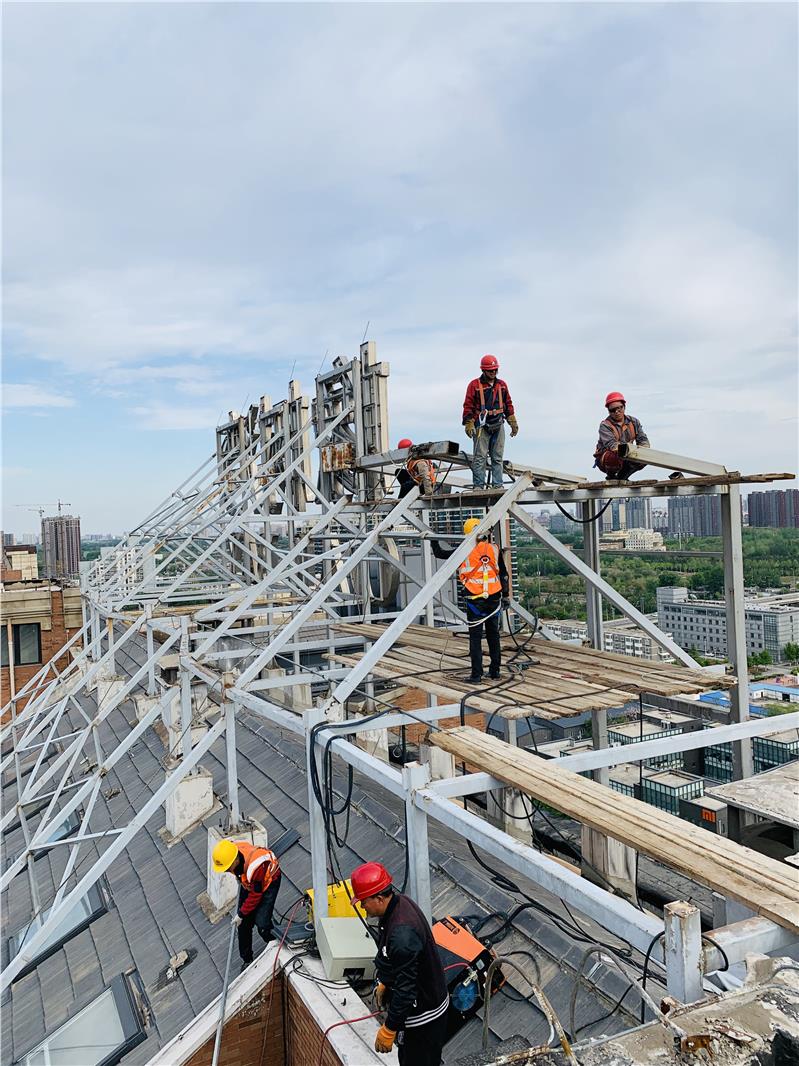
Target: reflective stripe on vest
479 574
254 857
266 857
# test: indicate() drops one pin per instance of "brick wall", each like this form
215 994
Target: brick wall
53 640
285 1034
413 699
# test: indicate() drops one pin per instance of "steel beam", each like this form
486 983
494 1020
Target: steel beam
610 594
653 457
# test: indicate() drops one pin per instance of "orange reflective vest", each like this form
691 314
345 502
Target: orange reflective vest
624 432
260 867
412 466
479 573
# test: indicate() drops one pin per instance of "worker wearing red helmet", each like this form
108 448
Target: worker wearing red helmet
419 472
618 428
485 410
411 984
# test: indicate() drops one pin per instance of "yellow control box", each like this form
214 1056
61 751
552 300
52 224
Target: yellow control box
339 904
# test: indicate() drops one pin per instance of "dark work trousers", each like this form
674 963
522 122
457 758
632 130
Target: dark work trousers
476 609
261 916
421 1044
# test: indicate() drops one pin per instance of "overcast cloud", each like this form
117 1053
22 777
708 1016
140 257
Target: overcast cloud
198 198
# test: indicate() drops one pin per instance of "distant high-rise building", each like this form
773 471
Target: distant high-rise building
61 546
8 539
778 508
695 516
639 513
660 521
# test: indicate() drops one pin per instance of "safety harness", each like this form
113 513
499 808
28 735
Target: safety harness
490 413
620 432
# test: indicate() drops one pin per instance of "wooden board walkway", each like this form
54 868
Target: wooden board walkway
769 887
566 680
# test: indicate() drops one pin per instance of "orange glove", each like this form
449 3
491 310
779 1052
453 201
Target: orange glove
380 995
384 1041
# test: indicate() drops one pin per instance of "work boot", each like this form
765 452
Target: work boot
244 964
494 674
475 678
675 475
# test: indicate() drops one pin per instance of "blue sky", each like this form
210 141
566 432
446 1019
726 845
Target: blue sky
199 197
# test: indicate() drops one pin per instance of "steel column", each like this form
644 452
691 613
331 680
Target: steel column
415 776
731 541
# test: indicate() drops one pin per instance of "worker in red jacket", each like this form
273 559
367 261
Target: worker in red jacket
618 428
258 872
486 409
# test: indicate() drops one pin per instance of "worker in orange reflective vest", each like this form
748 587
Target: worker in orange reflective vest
421 472
484 577
618 428
258 872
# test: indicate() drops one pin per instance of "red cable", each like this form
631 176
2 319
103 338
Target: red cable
349 1021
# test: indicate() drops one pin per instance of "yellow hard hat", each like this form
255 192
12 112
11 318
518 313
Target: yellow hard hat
224 855
470 525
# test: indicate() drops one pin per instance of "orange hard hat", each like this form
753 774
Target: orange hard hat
370 879
489 362
614 397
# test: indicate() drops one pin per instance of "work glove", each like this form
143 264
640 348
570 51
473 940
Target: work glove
236 920
469 427
514 425
505 603
380 995
384 1041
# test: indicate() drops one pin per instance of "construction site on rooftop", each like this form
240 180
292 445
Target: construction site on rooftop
279 654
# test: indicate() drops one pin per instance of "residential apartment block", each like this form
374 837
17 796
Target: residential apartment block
61 544
778 508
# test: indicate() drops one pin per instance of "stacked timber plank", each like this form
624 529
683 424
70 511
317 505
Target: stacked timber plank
767 886
564 680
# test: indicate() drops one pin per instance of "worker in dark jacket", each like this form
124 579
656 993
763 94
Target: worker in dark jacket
258 872
411 984
486 408
484 577
618 428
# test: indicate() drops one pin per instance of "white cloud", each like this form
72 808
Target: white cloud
171 417
33 396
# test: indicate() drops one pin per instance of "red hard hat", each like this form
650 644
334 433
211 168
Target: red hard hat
368 880
405 443
489 362
614 397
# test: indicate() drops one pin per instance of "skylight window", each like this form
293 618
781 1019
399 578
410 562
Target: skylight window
85 910
98 1035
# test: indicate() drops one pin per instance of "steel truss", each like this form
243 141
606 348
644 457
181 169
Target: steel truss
234 584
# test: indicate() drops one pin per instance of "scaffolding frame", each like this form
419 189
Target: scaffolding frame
244 570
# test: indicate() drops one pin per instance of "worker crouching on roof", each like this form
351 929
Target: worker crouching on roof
484 577
485 410
618 428
419 472
411 985
258 873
